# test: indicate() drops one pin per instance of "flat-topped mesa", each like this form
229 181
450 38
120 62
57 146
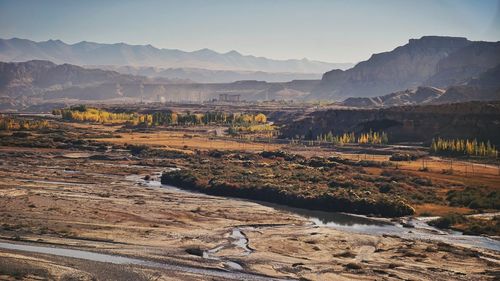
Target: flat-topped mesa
438 41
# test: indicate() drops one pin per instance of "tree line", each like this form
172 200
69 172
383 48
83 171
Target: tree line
88 114
207 118
16 124
160 118
463 147
363 138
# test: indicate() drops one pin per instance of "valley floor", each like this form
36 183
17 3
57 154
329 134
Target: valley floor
63 198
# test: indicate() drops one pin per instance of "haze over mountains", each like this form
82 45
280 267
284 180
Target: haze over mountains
428 70
208 75
121 54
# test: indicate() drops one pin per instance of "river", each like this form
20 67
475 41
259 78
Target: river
361 224
116 259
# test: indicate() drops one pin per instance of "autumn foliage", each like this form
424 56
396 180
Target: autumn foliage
161 118
20 124
363 138
463 147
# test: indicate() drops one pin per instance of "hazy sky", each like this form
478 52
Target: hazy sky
335 31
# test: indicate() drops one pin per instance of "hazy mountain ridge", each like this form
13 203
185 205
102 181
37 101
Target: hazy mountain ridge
200 75
37 76
463 67
121 54
428 61
34 82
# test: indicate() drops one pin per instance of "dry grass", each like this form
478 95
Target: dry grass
179 141
436 165
439 210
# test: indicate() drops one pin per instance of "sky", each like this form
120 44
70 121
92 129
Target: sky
325 30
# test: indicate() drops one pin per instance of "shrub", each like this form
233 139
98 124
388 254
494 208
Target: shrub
447 221
422 181
136 149
398 156
354 266
474 198
386 188
21 134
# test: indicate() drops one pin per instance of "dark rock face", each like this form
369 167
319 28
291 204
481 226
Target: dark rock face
421 95
483 87
428 61
33 77
486 87
466 63
407 123
468 93
402 68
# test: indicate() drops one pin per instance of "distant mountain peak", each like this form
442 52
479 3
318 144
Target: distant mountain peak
122 54
233 53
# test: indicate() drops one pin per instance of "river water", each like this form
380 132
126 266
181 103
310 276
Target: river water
116 259
362 224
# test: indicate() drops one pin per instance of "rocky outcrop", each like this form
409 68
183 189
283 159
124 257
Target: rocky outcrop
429 61
421 95
405 67
35 77
465 64
484 87
472 120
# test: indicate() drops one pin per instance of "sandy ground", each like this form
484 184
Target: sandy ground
189 141
48 199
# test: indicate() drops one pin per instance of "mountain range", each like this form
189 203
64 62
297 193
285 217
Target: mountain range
434 61
23 84
121 54
201 75
429 70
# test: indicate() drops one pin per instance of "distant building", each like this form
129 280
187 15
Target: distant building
229 97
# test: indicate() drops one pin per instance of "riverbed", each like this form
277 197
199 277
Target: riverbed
414 228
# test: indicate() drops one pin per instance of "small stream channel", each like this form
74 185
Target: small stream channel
116 259
361 224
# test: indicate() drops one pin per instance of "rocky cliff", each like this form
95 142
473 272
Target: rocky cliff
428 61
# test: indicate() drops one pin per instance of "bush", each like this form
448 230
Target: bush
403 157
215 153
479 227
136 149
447 221
474 198
354 266
395 175
386 188
21 134
422 181
342 183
